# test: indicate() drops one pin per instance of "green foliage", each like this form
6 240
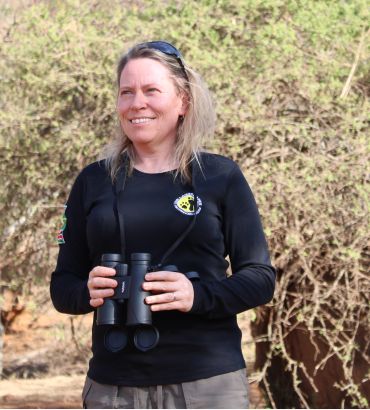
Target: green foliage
276 69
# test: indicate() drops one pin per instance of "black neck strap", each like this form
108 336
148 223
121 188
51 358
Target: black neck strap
119 186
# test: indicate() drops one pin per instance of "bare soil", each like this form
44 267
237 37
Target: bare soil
45 393
46 356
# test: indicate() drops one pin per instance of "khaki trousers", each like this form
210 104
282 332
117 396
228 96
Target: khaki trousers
226 391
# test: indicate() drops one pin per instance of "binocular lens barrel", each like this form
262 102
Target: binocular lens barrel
138 312
111 312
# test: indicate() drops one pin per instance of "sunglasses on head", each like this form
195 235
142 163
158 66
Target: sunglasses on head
168 49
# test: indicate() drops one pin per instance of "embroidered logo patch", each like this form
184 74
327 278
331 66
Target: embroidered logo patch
186 204
60 238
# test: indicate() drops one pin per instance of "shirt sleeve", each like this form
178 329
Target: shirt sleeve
68 286
252 281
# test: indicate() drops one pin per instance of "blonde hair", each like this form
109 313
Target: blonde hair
192 131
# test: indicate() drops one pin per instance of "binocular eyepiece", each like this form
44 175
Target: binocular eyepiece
139 316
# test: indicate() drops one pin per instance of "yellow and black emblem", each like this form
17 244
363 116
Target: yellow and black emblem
186 204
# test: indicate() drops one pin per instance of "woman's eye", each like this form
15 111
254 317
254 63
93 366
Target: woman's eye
152 90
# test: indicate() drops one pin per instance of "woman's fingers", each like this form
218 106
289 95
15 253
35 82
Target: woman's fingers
99 278
161 286
168 297
172 291
101 293
101 271
163 276
100 285
97 296
99 282
166 306
96 302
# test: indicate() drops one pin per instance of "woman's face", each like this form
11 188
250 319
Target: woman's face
149 104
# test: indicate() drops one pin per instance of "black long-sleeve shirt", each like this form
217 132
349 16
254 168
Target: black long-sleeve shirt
205 341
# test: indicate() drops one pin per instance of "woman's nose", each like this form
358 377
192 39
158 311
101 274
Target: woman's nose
138 101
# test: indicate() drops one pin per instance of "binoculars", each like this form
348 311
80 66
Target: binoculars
138 318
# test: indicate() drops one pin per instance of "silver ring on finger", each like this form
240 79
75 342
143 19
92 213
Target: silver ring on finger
174 296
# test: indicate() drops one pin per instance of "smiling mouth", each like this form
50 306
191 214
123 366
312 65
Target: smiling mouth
141 120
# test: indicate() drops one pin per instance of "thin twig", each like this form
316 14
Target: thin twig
348 83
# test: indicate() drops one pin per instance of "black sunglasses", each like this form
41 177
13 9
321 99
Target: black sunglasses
168 49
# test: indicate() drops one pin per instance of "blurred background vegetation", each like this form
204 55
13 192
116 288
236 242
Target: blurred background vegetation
291 82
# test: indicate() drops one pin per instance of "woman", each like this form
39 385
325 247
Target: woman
156 192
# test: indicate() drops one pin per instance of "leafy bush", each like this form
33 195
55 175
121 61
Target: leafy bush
277 70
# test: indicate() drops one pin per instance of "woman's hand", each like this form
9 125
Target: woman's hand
171 291
100 285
